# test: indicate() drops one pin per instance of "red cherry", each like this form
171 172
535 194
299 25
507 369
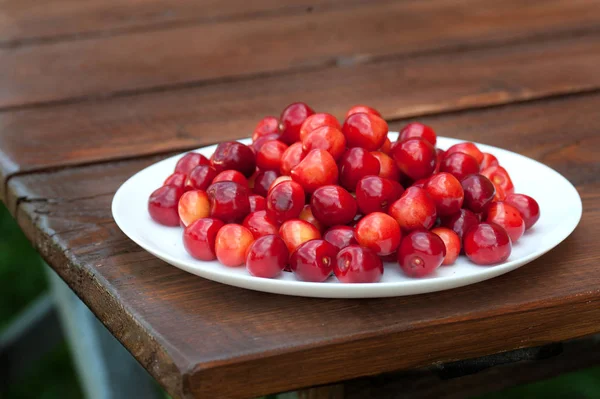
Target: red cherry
193 205
451 243
231 175
362 109
267 257
421 253
500 177
280 179
367 131
267 125
466 148
527 207
378 232
295 232
308 216
189 161
257 202
313 260
234 155
232 243
285 201
414 210
376 194
460 165
292 118
270 154
488 160
228 201
316 121
415 158
507 217
163 203
387 166
447 193
440 155
421 183
200 177
500 194
460 222
199 238
290 158
418 130
355 264
176 179
340 236
333 205
479 192
386 147
257 145
326 138
260 224
317 169
355 164
263 182
487 244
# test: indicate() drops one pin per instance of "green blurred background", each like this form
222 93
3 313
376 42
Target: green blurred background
22 279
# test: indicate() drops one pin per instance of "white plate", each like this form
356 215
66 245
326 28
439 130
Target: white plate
558 219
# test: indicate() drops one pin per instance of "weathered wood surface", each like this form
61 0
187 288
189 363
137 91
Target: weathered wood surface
203 338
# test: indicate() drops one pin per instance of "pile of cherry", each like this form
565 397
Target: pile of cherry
316 197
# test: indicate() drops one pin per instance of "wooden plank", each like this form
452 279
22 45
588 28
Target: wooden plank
159 122
200 338
177 57
30 21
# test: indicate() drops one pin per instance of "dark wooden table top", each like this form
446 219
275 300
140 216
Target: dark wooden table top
91 92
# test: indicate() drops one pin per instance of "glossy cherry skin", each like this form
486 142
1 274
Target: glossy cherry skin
500 194
326 138
421 253
313 260
176 179
316 121
231 175
267 125
440 155
355 264
189 161
200 177
355 164
199 238
362 109
280 179
488 160
232 243
466 148
318 168
333 205
267 257
460 222
290 158
260 224
193 205
257 145
487 244
295 232
285 201
257 202
447 193
415 158
228 201
367 131
387 166
291 120
263 182
418 130
234 155
460 165
163 203
385 147
451 243
270 154
308 216
527 207
340 236
378 232
507 217
479 192
376 194
500 177
414 210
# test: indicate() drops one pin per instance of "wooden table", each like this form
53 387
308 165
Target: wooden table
91 92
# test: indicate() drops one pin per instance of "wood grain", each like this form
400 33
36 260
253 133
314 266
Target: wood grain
159 122
200 338
155 60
